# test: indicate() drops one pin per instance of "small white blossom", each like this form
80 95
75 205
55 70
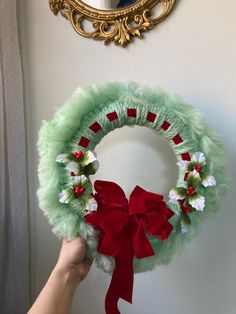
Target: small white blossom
198 203
62 158
64 197
182 164
80 180
174 197
209 181
184 228
91 205
72 166
199 158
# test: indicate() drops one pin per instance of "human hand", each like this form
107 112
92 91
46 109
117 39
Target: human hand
71 268
72 261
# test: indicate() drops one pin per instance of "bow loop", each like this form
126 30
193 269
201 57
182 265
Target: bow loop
110 193
119 220
141 245
123 230
137 206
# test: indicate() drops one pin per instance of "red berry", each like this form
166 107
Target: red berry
78 190
197 168
181 201
72 174
78 155
191 191
186 209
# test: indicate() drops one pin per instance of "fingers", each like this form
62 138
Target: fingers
88 262
65 241
73 257
78 241
74 251
87 265
84 268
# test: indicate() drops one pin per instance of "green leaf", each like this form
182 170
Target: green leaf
190 165
186 219
91 168
89 157
181 192
88 189
194 179
185 223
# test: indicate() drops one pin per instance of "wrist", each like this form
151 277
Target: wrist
66 275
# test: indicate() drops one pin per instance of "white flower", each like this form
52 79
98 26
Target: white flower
72 166
64 197
80 180
182 164
199 158
209 181
184 228
63 158
91 204
198 202
174 197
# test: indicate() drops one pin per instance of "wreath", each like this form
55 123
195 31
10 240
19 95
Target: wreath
127 235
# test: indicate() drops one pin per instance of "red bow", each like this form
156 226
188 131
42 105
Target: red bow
123 226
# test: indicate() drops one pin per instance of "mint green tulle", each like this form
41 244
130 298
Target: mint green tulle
92 103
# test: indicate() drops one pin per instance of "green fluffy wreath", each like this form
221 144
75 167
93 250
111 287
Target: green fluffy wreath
80 125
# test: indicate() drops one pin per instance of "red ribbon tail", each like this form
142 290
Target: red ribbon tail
111 301
121 285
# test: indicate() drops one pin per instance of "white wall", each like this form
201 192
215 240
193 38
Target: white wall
193 54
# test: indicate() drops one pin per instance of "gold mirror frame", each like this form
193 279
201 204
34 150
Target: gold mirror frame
119 26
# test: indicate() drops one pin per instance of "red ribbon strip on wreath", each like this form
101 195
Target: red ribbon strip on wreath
123 226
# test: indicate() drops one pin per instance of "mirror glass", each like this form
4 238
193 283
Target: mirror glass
109 4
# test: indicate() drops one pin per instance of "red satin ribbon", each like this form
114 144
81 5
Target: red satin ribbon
123 227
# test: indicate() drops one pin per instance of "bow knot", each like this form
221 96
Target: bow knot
123 227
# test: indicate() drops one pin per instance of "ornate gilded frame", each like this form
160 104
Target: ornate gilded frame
119 26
